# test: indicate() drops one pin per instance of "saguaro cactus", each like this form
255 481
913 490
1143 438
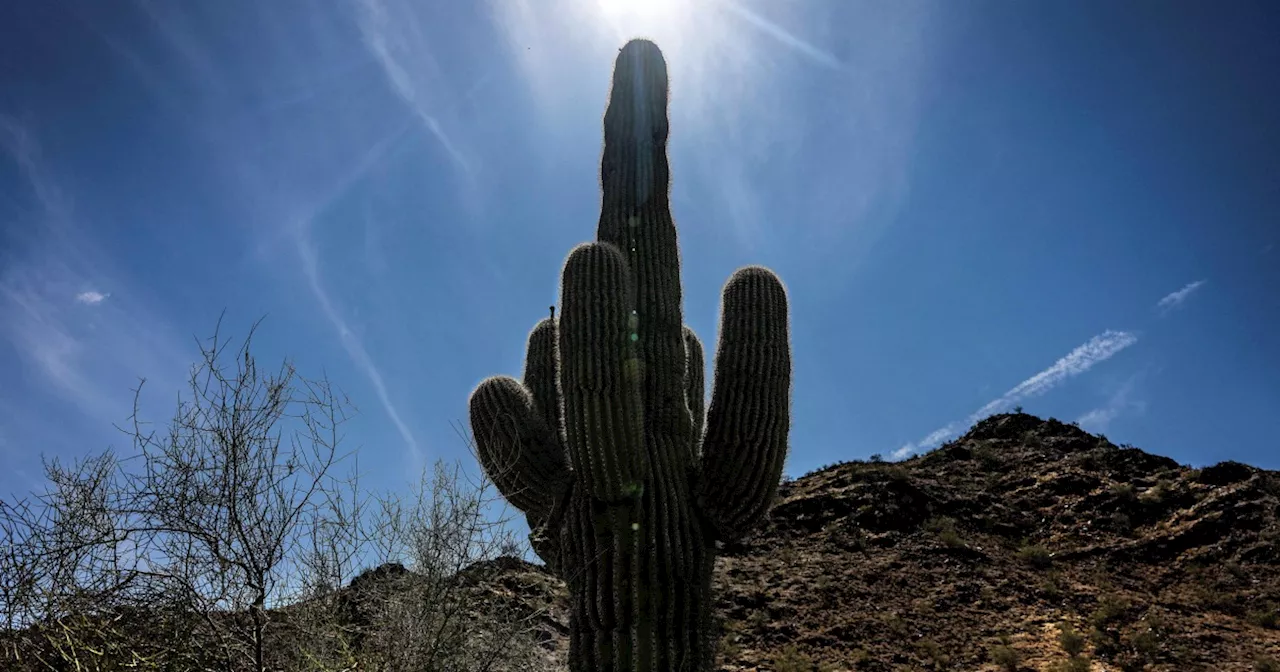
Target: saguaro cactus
604 444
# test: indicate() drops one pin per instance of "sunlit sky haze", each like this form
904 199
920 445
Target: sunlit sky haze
975 205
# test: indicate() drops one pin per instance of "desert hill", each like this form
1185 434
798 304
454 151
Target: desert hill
980 554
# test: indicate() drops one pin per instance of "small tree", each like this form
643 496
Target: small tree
202 529
232 493
66 573
446 533
229 541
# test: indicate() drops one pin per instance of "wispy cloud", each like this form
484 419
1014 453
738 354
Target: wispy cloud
1084 357
393 40
934 438
1098 419
772 29
1174 299
89 359
312 166
91 297
1122 400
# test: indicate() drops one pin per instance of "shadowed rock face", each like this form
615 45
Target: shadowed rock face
626 479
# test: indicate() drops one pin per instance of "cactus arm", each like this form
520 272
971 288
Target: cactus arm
694 385
541 378
541 372
515 446
745 444
599 375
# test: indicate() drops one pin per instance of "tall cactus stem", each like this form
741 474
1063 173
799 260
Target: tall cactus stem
626 476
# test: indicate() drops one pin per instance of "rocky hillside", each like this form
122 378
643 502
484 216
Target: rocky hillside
1024 545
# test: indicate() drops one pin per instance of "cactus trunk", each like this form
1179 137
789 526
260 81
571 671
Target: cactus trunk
626 478
641 584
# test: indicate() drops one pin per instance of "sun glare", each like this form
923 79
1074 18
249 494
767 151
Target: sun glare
616 10
699 45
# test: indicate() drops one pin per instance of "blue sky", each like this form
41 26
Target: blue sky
1069 206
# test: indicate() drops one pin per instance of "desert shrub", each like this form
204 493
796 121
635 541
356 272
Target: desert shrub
101 643
1035 555
1073 664
1105 620
1266 617
1146 643
1110 610
1124 491
923 607
1005 656
729 649
896 473
858 540
1130 661
791 659
1156 494
1266 664
1106 642
933 653
433 619
1071 641
951 539
945 529
987 456
897 625
1052 586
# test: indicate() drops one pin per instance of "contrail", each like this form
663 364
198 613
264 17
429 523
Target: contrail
776 32
350 342
1097 349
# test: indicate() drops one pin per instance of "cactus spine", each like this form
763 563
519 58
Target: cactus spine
626 481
